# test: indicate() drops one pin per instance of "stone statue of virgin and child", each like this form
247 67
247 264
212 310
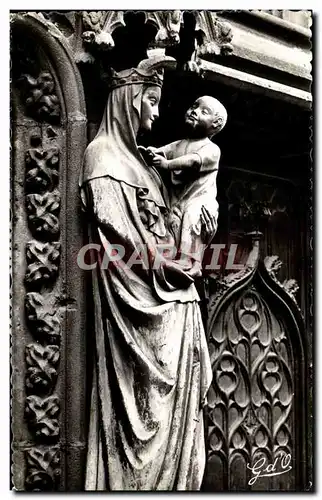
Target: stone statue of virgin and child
152 369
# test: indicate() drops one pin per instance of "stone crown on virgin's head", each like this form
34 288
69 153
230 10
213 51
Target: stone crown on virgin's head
149 71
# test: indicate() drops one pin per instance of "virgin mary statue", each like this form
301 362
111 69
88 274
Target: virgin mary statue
151 369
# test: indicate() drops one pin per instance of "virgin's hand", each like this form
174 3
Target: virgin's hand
159 161
208 225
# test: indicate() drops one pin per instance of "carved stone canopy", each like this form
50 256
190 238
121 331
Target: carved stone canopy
101 36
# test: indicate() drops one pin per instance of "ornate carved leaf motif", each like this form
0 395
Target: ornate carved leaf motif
42 363
213 35
43 320
98 29
101 41
94 20
168 24
291 286
42 169
94 37
42 103
42 203
273 265
43 262
224 36
42 210
42 415
43 469
113 20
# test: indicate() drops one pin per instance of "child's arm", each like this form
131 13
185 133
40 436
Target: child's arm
166 150
155 150
190 160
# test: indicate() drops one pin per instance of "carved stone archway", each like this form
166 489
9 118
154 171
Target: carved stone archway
48 305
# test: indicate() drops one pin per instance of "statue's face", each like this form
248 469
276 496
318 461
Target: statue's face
150 106
202 116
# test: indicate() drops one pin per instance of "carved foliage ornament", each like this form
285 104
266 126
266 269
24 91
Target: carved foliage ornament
41 102
216 35
91 33
273 265
43 262
42 414
41 367
42 318
42 169
94 36
168 24
42 211
43 256
43 469
94 20
99 27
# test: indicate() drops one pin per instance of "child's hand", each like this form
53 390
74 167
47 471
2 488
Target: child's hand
208 225
147 154
151 149
159 161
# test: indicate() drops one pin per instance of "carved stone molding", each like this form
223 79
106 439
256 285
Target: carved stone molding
42 365
42 202
42 415
41 102
42 211
43 469
53 115
43 262
42 318
41 168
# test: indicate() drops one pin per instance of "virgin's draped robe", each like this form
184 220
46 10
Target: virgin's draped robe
152 369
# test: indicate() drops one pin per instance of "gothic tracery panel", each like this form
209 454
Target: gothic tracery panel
253 414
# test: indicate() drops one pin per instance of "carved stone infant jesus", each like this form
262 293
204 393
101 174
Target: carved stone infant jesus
193 163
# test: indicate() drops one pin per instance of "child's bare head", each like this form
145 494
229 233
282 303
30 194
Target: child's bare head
206 117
